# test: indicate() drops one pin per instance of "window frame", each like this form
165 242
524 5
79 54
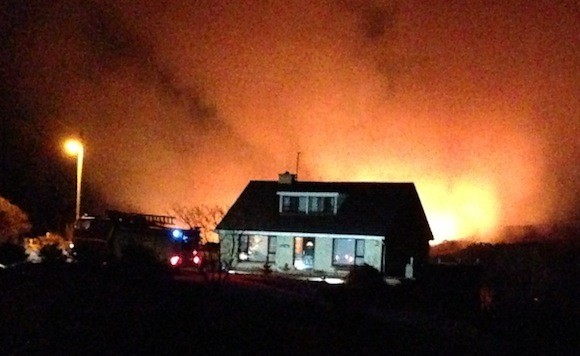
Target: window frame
272 248
290 203
303 243
355 253
270 252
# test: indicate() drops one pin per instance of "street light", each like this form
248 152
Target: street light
74 147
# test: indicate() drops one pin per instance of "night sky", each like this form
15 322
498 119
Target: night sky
183 102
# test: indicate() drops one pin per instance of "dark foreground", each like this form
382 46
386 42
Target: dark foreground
70 309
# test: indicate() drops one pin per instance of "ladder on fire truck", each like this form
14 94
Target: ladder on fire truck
140 219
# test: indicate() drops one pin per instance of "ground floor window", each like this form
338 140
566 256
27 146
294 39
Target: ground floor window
257 248
348 252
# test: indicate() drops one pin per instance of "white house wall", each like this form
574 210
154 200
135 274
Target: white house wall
323 254
373 253
323 258
284 252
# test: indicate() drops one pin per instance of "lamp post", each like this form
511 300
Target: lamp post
74 147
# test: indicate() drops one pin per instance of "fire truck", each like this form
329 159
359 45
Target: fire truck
118 233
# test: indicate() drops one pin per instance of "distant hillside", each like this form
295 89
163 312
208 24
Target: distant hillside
527 267
567 233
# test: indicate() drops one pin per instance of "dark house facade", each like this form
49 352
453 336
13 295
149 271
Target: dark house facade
325 228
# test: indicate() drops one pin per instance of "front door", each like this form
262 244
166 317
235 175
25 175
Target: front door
303 253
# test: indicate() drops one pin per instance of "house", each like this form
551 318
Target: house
324 228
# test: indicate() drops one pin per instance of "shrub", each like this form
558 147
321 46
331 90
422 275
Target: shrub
267 269
364 276
51 253
13 221
11 254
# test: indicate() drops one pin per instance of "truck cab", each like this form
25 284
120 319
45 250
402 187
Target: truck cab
119 232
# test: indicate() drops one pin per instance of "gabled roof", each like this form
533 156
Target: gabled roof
367 209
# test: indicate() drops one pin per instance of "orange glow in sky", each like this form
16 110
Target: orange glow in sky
460 210
467 207
185 102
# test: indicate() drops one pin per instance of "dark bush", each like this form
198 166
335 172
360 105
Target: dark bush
51 253
210 253
11 254
364 276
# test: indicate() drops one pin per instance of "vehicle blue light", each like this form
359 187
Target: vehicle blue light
177 234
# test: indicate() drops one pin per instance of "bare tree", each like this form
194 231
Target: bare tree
229 245
13 221
203 216
206 219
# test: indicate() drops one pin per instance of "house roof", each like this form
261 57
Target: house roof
367 209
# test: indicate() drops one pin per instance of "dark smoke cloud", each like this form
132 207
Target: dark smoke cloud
185 101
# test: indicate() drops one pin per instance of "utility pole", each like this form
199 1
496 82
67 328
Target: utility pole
297 163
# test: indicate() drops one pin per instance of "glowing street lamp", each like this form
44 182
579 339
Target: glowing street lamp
74 147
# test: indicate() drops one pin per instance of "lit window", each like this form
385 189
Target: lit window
257 248
303 253
348 252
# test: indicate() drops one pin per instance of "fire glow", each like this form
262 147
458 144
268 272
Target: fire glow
464 209
458 209
479 111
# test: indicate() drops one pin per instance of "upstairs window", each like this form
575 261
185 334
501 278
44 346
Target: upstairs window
308 203
321 205
294 204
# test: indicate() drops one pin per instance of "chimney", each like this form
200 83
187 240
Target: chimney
286 178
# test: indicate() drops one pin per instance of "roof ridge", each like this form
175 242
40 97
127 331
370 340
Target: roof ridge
333 182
